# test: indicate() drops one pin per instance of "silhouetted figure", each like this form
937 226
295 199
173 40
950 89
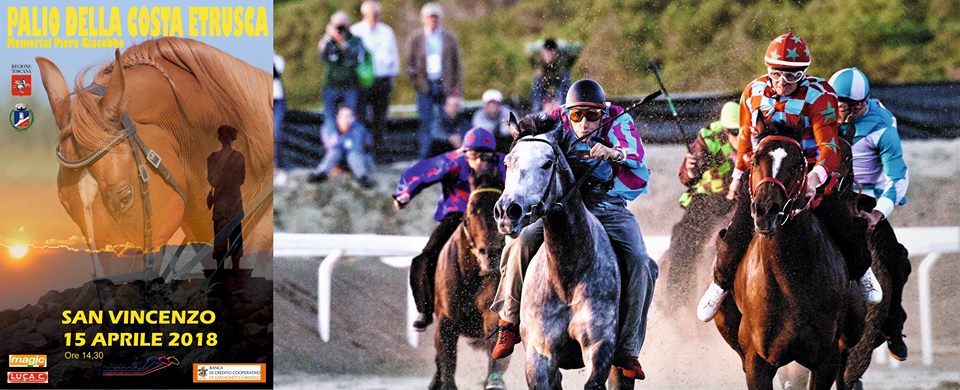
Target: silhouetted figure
225 173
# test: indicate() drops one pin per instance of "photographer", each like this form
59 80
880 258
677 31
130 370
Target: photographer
341 53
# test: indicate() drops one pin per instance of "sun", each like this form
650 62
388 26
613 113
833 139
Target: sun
17 251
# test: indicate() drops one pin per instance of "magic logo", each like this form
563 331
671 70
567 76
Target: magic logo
31 361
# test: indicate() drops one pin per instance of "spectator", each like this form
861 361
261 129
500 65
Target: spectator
279 109
341 53
552 63
434 68
382 43
493 116
349 145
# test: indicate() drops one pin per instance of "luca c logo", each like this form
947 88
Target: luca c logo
21 118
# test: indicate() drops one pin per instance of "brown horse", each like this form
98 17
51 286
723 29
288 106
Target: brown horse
155 111
791 292
466 281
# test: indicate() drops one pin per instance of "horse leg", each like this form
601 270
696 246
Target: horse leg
617 381
826 373
541 374
599 357
759 372
495 367
446 345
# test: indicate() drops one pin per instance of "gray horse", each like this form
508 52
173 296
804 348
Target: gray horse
570 305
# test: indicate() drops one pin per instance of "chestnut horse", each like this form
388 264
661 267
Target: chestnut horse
791 292
154 113
466 281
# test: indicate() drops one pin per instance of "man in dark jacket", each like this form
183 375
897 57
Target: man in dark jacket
341 53
434 68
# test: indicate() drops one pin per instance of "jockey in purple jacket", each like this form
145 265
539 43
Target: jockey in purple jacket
452 170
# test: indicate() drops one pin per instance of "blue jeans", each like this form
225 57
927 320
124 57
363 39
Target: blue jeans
330 95
638 273
430 111
539 90
357 160
279 109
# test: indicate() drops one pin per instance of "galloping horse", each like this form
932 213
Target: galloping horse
570 303
791 292
155 111
466 281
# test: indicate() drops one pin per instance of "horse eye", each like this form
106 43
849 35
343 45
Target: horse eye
547 164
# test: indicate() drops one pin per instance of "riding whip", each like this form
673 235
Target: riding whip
673 110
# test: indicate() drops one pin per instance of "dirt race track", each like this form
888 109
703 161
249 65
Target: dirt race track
368 348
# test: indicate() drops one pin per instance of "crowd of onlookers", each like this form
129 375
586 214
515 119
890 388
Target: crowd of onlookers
360 64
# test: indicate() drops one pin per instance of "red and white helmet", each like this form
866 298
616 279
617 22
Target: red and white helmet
787 51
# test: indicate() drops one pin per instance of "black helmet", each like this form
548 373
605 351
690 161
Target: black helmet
586 92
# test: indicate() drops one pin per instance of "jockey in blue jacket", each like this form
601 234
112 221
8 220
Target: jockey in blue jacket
584 111
452 170
882 180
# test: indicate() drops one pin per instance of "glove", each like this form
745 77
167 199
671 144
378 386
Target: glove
813 181
734 186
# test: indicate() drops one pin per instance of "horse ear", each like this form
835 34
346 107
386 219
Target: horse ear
112 103
514 126
57 91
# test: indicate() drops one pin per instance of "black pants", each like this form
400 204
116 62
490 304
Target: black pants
424 266
702 216
884 245
849 233
372 108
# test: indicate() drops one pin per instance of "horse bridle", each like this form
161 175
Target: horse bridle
473 245
793 194
140 152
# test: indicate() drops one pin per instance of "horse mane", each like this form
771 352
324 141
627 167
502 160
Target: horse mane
535 124
228 81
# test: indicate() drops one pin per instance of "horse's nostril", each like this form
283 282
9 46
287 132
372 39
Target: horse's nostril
482 251
497 214
514 211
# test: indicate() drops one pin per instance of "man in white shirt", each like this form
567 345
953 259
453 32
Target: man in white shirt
380 41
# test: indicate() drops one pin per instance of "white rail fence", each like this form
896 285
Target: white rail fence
397 251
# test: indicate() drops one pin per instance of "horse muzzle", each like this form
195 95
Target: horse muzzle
511 217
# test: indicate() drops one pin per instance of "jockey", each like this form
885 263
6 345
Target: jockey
583 112
787 95
452 170
881 175
706 171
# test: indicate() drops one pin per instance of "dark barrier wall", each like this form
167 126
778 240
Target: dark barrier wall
922 111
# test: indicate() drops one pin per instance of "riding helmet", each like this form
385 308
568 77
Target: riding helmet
787 51
850 84
586 92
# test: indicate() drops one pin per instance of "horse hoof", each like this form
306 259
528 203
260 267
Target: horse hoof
495 382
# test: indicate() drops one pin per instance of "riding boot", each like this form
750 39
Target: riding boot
508 335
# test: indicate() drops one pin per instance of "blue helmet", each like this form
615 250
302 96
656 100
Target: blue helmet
850 84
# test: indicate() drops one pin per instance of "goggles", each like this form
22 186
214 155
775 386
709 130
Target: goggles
483 156
592 115
790 77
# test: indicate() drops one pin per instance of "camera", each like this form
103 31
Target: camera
343 29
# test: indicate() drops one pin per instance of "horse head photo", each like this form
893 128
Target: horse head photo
133 145
571 293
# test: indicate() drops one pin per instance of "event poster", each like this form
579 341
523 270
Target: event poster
136 202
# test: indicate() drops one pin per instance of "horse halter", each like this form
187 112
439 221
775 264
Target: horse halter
139 148
473 245
792 194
